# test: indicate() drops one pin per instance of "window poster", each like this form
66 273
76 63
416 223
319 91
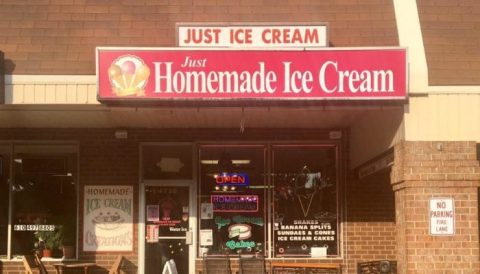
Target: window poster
108 221
153 213
168 208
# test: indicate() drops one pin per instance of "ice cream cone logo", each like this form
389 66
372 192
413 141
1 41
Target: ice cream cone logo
128 76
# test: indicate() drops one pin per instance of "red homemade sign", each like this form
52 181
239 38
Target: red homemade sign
180 74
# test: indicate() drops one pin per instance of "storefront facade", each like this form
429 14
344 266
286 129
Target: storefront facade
90 153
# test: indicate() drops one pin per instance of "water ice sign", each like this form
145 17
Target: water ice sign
442 217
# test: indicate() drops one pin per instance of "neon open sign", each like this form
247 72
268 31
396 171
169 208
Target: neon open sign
232 179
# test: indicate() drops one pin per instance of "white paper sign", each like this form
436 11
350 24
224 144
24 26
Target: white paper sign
206 237
207 211
152 234
318 252
442 217
108 219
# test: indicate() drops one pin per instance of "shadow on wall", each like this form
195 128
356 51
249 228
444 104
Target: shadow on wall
128 267
478 151
7 66
371 199
2 78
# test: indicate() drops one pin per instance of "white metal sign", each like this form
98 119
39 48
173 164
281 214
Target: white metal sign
442 216
251 36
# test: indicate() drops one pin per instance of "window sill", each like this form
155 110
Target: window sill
44 259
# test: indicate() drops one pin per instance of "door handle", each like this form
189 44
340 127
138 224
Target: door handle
189 237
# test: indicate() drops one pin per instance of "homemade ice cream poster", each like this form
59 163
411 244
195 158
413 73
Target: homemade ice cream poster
108 221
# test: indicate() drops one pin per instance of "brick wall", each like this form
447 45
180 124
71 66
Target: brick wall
59 36
451 39
424 170
370 220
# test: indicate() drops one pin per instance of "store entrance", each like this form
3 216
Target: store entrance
168 236
4 199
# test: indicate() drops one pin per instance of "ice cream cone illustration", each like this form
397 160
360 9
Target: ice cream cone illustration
128 76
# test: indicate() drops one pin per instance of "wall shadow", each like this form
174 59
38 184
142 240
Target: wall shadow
128 267
7 67
2 79
371 199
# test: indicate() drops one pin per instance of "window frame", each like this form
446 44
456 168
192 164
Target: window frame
252 145
40 147
339 192
339 146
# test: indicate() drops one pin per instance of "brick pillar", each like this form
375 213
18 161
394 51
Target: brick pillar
424 170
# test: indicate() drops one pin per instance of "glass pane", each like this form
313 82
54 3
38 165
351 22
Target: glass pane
305 200
167 162
232 199
166 256
167 215
4 176
44 203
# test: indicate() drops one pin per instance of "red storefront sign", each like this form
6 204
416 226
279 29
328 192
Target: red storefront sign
184 74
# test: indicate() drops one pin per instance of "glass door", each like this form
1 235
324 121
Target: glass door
168 236
4 199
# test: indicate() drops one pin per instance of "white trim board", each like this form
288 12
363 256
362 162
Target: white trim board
20 79
410 36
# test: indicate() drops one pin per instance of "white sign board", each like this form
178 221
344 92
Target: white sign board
152 234
206 237
252 36
108 219
442 217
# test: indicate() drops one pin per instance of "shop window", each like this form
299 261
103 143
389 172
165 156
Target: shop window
305 201
40 196
167 162
4 181
232 199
